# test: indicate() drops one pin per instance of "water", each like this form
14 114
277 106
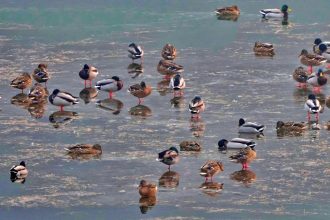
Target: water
292 173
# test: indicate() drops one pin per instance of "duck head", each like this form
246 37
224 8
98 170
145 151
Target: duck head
319 73
285 8
241 122
279 124
323 48
317 41
304 52
222 145
56 91
86 67
22 163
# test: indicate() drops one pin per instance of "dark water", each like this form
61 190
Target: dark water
292 173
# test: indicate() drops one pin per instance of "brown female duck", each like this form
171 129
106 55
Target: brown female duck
168 68
311 59
140 90
300 75
95 149
210 168
244 156
147 189
190 146
169 52
40 74
291 127
263 49
38 93
22 82
228 11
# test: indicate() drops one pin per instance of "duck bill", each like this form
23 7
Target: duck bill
289 9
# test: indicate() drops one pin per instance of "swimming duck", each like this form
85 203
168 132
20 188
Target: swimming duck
110 85
196 106
169 68
169 157
88 73
317 79
276 13
244 156
22 82
177 83
311 59
210 168
250 127
235 143
169 52
228 11
147 189
301 76
317 43
263 49
38 93
140 90
85 149
190 146
19 170
135 52
41 74
61 98
312 106
291 127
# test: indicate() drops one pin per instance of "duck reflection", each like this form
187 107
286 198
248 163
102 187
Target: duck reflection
228 17
169 179
178 102
197 127
112 105
140 110
244 176
37 110
61 118
18 179
147 203
135 69
211 188
300 95
21 100
88 94
163 87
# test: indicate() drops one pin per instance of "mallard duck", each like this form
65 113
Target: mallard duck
169 68
38 93
301 76
244 156
250 127
140 90
135 52
88 73
228 11
40 74
190 146
235 143
196 106
317 43
317 79
147 189
110 85
311 59
324 52
61 98
276 13
169 179
263 49
210 168
312 106
22 82
169 52
85 149
291 127
169 157
177 83
19 170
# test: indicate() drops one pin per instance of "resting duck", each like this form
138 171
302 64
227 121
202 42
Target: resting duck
135 52
177 83
140 90
276 13
169 68
312 106
85 149
323 51
250 127
169 157
22 82
291 127
311 59
317 43
317 79
169 52
196 106
110 85
210 168
19 170
235 143
244 156
263 49
88 73
228 11
147 189
301 76
190 146
41 74
61 98
38 93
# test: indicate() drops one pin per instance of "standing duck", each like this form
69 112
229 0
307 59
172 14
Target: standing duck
22 82
311 59
312 106
228 11
263 49
169 157
169 52
250 127
196 106
177 83
210 168
147 189
317 79
276 13
140 90
38 93
169 68
244 156
135 52
235 143
61 98
19 170
110 85
88 73
40 74
300 75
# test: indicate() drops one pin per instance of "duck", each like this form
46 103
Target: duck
311 59
244 156
147 189
169 52
89 73
228 11
111 85
276 13
40 74
317 43
291 127
169 156
317 79
190 146
61 98
312 106
85 149
300 75
211 168
177 83
19 170
196 106
38 93
323 51
250 127
169 68
263 49
22 82
140 90
135 52
235 143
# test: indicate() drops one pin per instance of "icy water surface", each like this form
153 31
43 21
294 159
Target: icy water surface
288 180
